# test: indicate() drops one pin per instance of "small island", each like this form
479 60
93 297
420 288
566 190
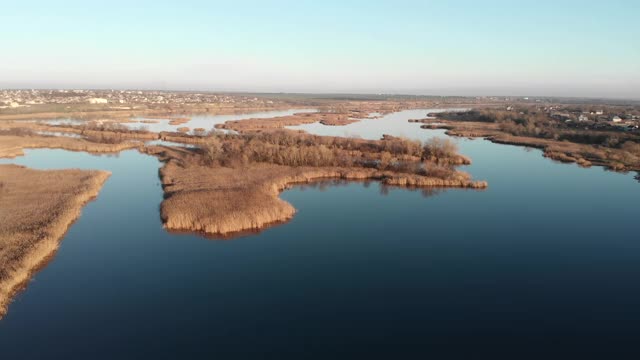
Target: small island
231 183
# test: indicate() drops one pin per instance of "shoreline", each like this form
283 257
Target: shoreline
272 210
242 192
36 219
584 155
14 146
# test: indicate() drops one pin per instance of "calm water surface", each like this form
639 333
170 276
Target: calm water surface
543 264
208 122
204 121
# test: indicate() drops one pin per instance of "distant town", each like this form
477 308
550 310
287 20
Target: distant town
27 98
579 113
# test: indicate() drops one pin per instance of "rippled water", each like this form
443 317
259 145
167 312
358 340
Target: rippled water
542 264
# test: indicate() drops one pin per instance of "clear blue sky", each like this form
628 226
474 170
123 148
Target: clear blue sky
467 47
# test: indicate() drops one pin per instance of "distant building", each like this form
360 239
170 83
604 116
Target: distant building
616 119
599 112
583 118
98 101
561 116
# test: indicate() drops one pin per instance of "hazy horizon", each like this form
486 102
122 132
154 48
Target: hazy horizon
462 48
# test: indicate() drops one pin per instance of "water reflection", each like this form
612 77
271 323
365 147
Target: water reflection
63 134
549 251
384 189
208 122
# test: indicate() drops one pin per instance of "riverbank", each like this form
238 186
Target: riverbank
232 184
333 114
37 209
248 125
85 111
12 146
229 200
625 157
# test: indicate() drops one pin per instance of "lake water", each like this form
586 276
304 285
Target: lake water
208 122
204 121
542 264
55 133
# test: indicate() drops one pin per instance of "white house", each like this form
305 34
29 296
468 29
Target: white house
616 119
583 118
98 101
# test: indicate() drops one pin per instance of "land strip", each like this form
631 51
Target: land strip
232 183
37 209
614 145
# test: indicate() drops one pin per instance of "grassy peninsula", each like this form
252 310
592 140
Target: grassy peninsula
231 183
577 135
37 209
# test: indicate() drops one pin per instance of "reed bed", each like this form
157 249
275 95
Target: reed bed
232 200
179 121
12 146
232 183
339 113
559 140
37 208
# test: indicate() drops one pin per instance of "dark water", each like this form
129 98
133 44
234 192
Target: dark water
543 264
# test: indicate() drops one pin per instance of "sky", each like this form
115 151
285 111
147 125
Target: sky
581 48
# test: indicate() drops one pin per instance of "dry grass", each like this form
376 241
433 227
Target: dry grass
98 137
85 111
248 125
626 157
335 114
280 122
179 121
583 154
232 183
112 114
338 120
37 208
12 146
226 200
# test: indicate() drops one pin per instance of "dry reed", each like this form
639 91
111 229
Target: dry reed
37 208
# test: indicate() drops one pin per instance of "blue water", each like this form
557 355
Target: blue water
208 122
542 264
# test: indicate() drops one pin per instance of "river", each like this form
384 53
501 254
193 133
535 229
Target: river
545 261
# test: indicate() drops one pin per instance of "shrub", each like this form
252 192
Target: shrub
437 148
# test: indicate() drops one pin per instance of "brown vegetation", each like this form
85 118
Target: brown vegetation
337 113
94 137
12 146
324 118
110 132
179 121
280 122
155 111
232 183
559 140
445 151
37 208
